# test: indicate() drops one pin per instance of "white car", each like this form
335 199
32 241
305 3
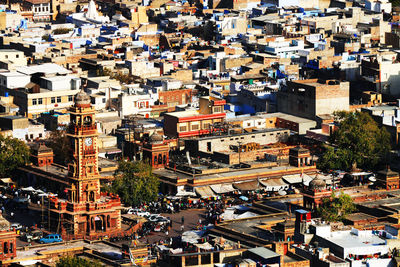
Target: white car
138 212
16 226
154 217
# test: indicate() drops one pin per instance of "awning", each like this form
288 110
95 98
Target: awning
7 180
29 189
274 184
204 191
204 246
306 179
248 186
222 188
292 179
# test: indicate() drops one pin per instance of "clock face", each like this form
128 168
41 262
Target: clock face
88 141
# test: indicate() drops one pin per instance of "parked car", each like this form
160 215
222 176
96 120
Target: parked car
16 226
138 212
153 217
51 238
32 236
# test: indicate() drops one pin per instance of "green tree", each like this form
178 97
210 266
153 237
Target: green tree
358 141
61 145
70 261
335 208
13 154
135 183
46 38
61 31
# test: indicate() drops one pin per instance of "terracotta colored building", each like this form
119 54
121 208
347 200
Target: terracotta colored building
87 212
8 241
42 155
156 151
388 179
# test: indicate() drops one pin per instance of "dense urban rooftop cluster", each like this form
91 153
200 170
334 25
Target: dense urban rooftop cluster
199 133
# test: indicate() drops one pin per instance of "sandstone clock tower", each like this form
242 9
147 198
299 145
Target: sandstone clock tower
83 171
87 213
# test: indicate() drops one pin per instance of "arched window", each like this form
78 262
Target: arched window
5 251
91 196
11 247
159 159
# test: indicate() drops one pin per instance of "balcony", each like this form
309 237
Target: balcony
83 129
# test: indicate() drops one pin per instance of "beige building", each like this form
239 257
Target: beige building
313 97
11 58
9 20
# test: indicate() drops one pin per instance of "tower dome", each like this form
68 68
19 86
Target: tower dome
82 99
317 183
156 138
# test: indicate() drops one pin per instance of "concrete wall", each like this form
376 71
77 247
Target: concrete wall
222 143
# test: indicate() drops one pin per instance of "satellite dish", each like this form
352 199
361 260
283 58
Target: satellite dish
372 179
282 193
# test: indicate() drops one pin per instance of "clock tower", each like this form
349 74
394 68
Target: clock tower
83 171
87 212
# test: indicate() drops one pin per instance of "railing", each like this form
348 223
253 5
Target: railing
77 129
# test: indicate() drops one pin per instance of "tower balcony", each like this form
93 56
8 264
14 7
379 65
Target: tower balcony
83 129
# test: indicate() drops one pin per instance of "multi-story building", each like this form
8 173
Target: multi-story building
313 97
381 72
21 128
191 123
36 10
34 100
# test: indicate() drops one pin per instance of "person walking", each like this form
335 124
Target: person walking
183 220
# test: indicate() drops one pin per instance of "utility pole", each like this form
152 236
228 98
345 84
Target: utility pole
239 150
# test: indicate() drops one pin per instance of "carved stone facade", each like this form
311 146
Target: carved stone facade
87 212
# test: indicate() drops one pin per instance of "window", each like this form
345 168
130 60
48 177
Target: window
70 98
208 146
259 123
195 127
182 128
17 56
40 135
53 100
58 99
31 136
6 56
34 101
248 124
40 101
104 100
